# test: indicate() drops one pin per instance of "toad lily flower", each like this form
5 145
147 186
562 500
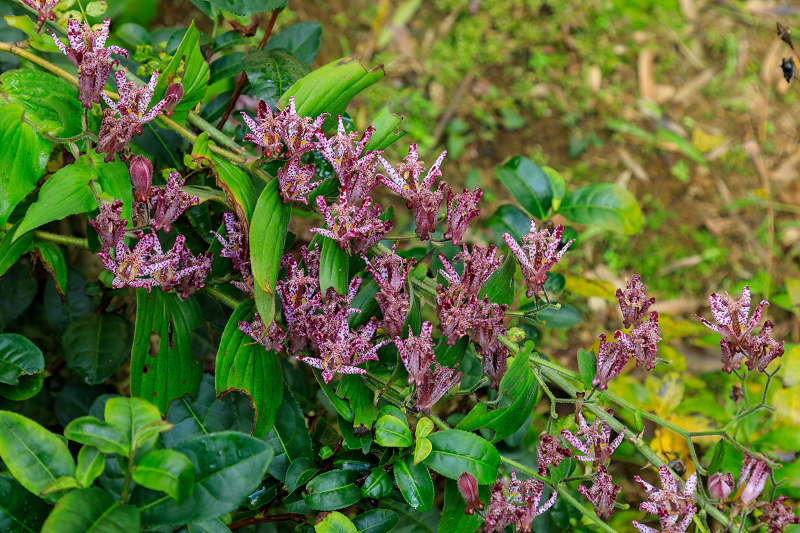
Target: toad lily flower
125 118
416 352
602 494
550 453
284 128
720 485
762 349
391 275
537 255
234 249
673 505
468 487
461 209
130 266
611 359
633 302
592 441
109 225
777 516
295 181
170 202
356 226
87 51
752 479
435 385
270 338
519 504
44 7
354 166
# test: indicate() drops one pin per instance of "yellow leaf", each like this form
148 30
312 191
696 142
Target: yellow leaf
669 327
790 361
787 403
589 288
705 142
666 392
677 359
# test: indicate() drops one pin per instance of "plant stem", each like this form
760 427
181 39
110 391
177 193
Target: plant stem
56 238
213 132
222 297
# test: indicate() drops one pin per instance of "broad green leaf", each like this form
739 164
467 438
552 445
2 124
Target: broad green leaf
226 66
96 345
238 186
12 249
91 463
102 435
299 472
424 427
557 473
228 467
378 484
249 7
73 401
376 521
414 483
528 184
449 355
23 159
53 261
272 72
91 511
62 484
29 386
115 180
45 97
267 237
301 39
134 417
20 511
360 397
341 406
200 415
37 42
410 519
557 185
330 88
454 520
563 318
33 455
364 300
392 432
387 129
603 205
244 365
422 449
335 523
333 267
509 219
499 287
333 490
162 365
65 193
587 364
209 526
18 357
169 471
455 452
289 436
63 310
188 66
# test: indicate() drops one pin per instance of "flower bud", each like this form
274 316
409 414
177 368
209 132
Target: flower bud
468 486
174 93
141 172
720 486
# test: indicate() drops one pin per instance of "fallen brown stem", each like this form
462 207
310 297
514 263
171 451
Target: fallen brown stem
259 519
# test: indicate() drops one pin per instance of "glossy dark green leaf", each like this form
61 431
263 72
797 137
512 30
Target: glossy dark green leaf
330 88
135 417
23 159
378 484
360 397
91 511
554 283
414 483
299 472
587 365
44 97
364 300
228 467
200 415
162 365
387 129
333 267
333 490
449 355
392 432
335 523
209 526
301 39
28 387
500 285
96 345
20 511
91 463
18 357
454 520
73 401
509 219
169 471
163 145
563 318
53 261
62 484
528 184
272 72
342 407
249 7
62 311
102 435
34 456
289 437
17 291
12 249
376 521
455 452
717 457
132 34
604 205
115 180
189 66
245 365
226 66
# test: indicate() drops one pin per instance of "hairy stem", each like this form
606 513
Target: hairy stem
222 297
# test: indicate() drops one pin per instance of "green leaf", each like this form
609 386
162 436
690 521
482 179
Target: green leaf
169 471
378 484
115 180
392 432
301 39
557 473
267 237
134 417
62 484
23 159
717 457
45 97
376 521
61 311
364 300
330 88
225 67
188 66
53 261
12 249
18 357
162 365
557 186
414 483
563 318
422 449
509 219
341 406
249 7
333 267
91 463
37 42
29 386
102 435
272 72
245 365
587 365
335 523
424 427
387 129
299 472
603 205
455 451
454 520
209 526
289 436
96 345
449 355
91 511
353 389
499 287
199 416
34 456
20 511
228 467
65 193
333 490
528 184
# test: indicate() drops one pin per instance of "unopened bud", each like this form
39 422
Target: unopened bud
720 486
174 93
141 172
468 486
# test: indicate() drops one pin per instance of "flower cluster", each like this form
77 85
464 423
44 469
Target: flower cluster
540 250
285 129
673 504
777 516
356 226
602 494
593 441
391 275
738 342
234 248
270 338
517 504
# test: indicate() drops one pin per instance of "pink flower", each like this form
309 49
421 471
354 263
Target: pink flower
720 486
633 302
183 271
537 255
141 174
295 181
393 299
593 441
416 352
44 7
673 505
777 516
460 212
355 226
611 359
109 225
762 350
435 385
131 266
170 202
285 128
752 479
642 342
603 493
529 494
299 296
354 166
234 249
87 51
468 487
271 339
478 266
550 453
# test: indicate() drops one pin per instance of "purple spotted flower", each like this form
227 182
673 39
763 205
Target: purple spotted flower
417 355
485 327
406 182
124 119
355 226
762 349
234 249
174 94
602 494
633 302
537 255
754 475
88 52
611 359
593 441
295 181
642 342
135 268
300 294
777 516
434 385
720 485
501 512
270 338
110 226
44 7
525 498
141 174
182 270
170 202
550 453
285 128
391 275
354 166
479 264
673 504
461 209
